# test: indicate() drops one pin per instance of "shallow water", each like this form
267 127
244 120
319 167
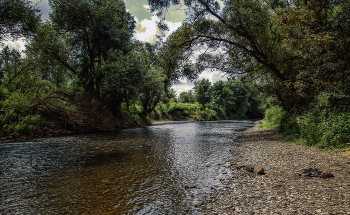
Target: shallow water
163 169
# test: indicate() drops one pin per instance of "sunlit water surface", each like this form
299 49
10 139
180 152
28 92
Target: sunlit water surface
164 169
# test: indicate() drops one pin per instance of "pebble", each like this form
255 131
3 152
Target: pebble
281 190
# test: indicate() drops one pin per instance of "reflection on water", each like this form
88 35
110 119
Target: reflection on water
164 169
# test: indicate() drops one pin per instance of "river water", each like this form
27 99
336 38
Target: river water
163 169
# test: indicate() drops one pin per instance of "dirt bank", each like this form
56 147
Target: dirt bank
168 121
284 189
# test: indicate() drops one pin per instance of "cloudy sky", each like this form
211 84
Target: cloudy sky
146 30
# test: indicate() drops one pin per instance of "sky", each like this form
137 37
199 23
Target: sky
146 30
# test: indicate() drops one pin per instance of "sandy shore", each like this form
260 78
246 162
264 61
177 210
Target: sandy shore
283 189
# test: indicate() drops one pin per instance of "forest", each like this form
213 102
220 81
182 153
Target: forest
82 70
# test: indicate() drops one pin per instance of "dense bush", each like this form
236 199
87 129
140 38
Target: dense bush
178 111
324 128
317 125
17 115
273 117
181 111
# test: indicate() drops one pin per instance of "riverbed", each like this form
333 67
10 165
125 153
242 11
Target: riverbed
162 169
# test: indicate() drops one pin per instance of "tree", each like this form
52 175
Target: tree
187 97
176 62
243 40
18 18
151 90
231 96
202 89
319 32
92 41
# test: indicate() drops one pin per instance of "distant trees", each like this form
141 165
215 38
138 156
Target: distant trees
187 97
203 94
231 98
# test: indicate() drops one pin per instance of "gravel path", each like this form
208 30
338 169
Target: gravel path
283 189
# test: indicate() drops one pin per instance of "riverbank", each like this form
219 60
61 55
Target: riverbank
42 133
283 189
168 121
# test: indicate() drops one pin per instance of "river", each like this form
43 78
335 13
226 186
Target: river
162 169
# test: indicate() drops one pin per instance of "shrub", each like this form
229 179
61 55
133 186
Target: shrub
274 115
318 126
17 115
178 111
132 117
289 126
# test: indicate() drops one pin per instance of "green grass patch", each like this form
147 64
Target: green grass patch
266 125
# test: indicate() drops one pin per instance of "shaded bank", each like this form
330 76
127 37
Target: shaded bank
40 133
283 189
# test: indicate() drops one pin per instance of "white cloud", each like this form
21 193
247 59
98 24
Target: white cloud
185 86
148 28
137 21
18 45
213 76
147 7
173 27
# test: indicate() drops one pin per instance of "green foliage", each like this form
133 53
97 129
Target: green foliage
235 99
151 90
169 95
17 115
132 117
206 114
220 111
187 97
203 94
178 111
289 126
17 18
274 115
183 111
266 125
324 128
318 125
337 130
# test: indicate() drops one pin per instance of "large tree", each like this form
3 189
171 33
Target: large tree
17 18
92 41
244 37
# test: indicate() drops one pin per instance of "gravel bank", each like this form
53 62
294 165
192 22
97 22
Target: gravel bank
283 189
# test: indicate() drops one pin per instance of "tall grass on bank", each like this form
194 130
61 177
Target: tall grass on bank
315 126
273 117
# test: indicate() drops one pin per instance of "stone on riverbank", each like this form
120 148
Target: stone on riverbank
259 170
282 190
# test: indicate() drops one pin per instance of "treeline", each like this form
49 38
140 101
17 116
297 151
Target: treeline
82 69
297 51
231 99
